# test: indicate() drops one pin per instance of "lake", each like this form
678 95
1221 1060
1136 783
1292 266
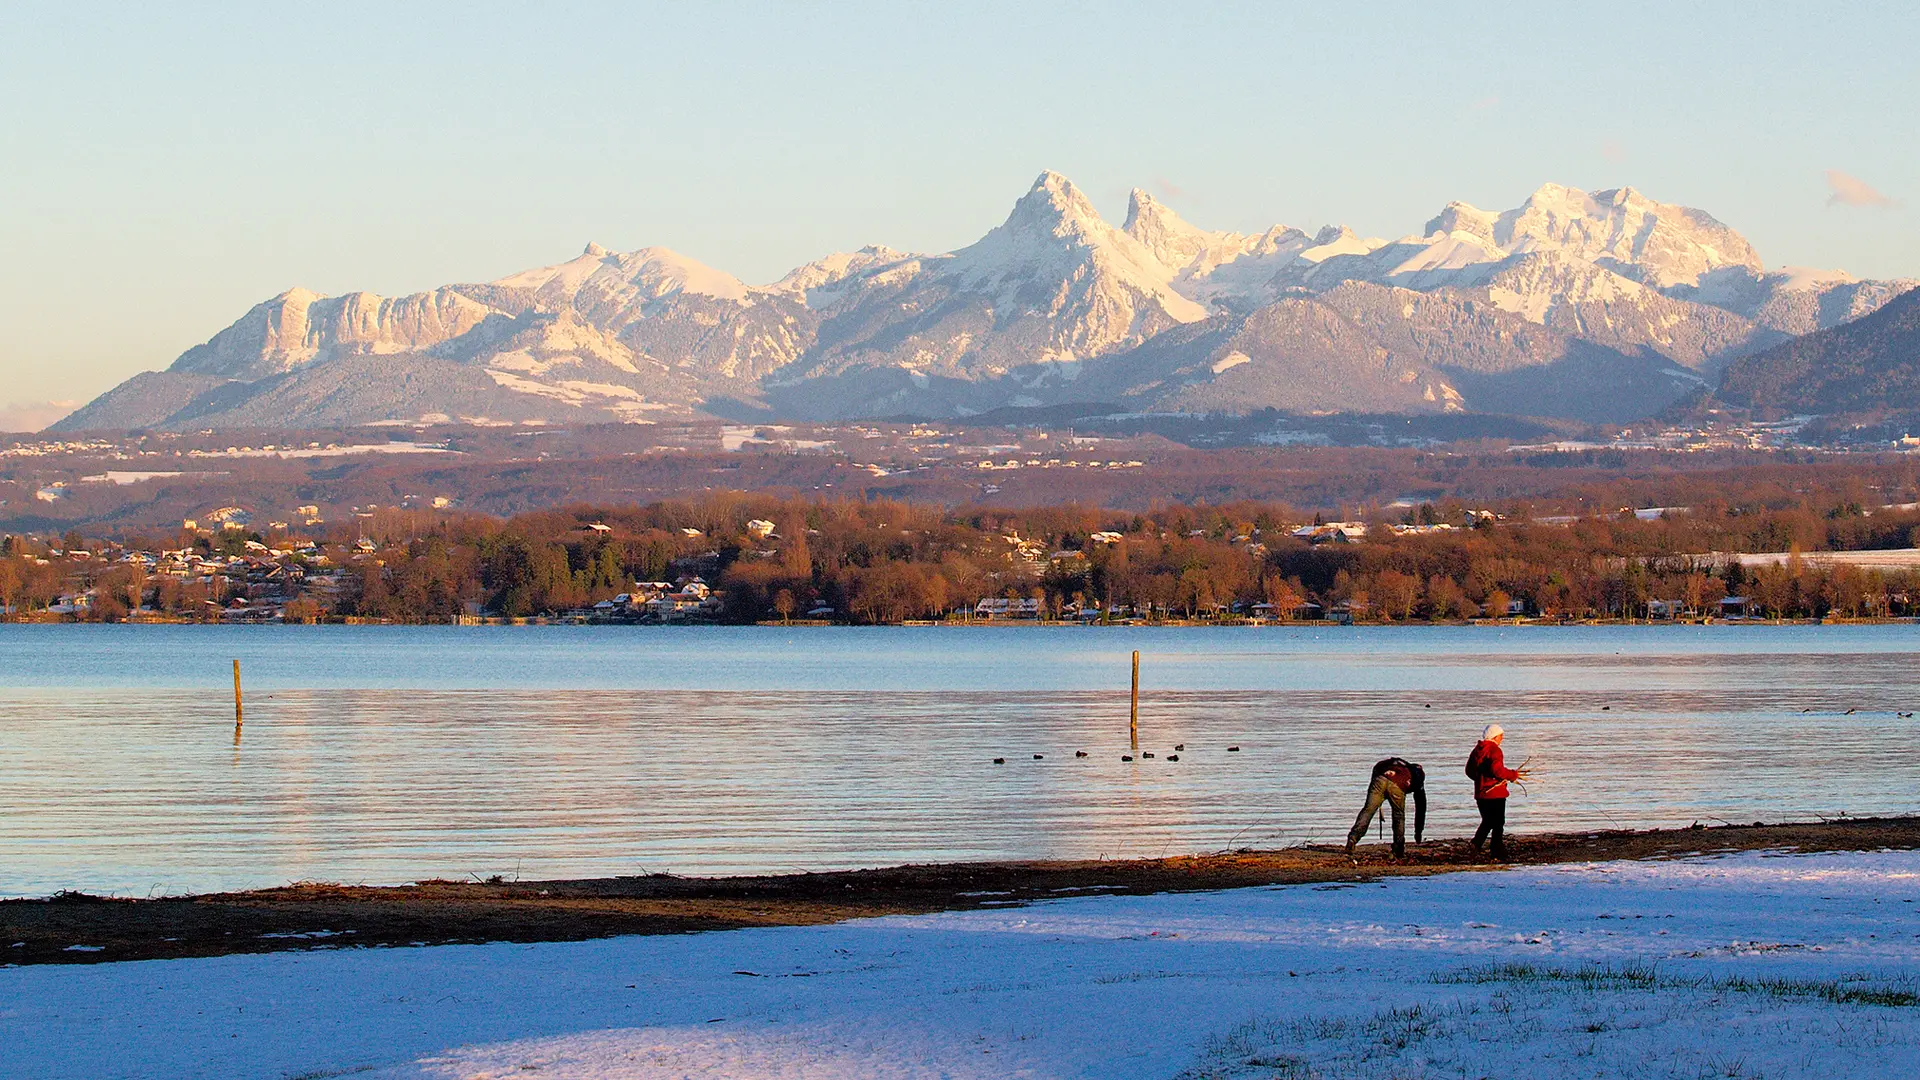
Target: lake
390 754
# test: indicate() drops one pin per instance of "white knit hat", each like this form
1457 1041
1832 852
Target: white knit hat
1493 731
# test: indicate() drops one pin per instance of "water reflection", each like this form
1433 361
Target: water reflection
452 768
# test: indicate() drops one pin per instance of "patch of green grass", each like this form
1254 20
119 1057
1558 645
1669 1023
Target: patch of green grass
1587 977
1845 990
329 1074
1901 995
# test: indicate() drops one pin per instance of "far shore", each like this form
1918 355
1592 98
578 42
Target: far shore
79 928
1002 624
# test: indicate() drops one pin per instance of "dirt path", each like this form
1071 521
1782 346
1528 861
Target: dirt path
86 929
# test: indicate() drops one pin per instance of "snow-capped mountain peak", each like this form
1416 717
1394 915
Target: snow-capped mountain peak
564 277
1055 234
1229 269
1174 242
1195 252
650 273
1337 240
830 271
658 271
1808 278
1459 217
1659 244
1055 206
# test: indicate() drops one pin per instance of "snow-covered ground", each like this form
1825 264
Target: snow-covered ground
1749 965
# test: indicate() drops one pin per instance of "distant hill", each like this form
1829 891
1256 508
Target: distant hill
1592 306
1869 365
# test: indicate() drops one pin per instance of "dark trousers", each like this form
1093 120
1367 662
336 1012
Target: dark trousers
1382 790
1493 823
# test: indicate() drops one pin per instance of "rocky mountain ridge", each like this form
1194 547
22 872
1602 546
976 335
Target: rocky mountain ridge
1601 306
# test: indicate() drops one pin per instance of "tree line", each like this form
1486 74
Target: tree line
881 561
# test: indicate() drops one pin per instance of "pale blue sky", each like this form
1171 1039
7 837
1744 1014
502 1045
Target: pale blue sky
161 170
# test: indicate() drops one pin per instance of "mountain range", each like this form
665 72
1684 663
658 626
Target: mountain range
1595 306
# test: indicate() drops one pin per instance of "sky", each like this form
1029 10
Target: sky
165 167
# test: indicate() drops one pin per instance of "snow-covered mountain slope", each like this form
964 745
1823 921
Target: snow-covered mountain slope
1794 299
1377 348
820 282
298 327
1228 269
1562 249
1301 356
1587 301
1597 305
1623 230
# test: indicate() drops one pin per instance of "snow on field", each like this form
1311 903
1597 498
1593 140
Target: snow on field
324 451
1750 965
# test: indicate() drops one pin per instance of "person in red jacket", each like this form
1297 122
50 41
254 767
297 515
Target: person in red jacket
1488 768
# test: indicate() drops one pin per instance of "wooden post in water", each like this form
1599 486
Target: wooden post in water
1133 710
236 702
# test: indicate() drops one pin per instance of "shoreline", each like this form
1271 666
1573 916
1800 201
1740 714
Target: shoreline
73 928
1000 624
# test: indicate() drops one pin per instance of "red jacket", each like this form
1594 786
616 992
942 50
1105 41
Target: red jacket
1489 771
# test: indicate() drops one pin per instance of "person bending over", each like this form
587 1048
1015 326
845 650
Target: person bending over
1488 768
1393 780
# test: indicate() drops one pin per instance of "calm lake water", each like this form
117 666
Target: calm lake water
387 754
